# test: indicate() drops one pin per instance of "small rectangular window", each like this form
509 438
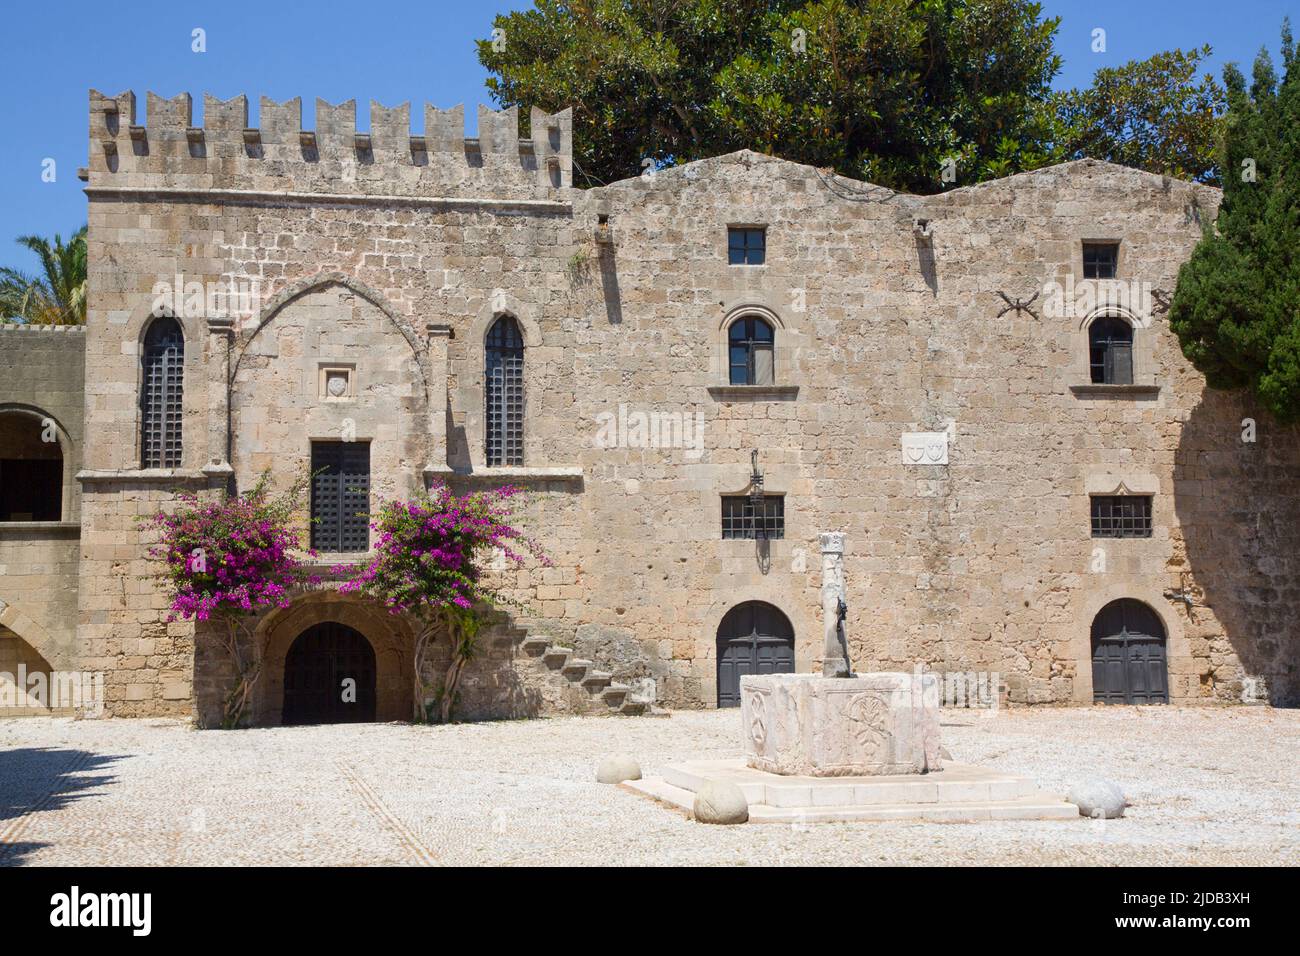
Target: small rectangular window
340 495
740 519
1121 516
746 246
1100 260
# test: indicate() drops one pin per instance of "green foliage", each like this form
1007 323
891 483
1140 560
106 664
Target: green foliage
58 295
1153 114
1236 309
883 90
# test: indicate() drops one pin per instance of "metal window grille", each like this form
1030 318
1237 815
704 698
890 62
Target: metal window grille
1110 352
750 352
1100 260
740 519
1121 516
340 495
161 395
746 247
504 391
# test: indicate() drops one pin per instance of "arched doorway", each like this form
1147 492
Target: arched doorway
320 662
1128 655
753 638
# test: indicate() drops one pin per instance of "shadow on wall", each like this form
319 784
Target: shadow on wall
35 780
1238 504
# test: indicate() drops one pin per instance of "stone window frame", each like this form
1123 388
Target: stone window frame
1079 374
69 500
745 225
471 391
784 337
1112 483
191 357
1117 242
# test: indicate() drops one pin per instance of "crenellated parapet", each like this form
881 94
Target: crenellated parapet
226 153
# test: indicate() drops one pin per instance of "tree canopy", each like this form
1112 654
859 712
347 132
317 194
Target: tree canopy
881 90
58 295
1236 308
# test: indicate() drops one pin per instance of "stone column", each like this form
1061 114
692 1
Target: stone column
439 336
834 654
220 333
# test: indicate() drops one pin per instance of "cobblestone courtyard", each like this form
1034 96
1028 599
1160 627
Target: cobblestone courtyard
1208 786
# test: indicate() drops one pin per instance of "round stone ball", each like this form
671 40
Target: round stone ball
618 768
718 801
1098 798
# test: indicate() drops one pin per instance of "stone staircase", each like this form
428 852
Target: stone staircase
586 688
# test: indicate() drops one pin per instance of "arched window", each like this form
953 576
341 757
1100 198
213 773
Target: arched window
1110 351
749 342
504 391
31 468
160 395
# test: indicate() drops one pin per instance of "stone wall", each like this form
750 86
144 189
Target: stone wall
399 269
41 384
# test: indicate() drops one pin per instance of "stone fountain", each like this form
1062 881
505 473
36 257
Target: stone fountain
842 747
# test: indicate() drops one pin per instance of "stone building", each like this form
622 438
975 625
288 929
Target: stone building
979 388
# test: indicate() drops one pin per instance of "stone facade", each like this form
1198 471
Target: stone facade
388 256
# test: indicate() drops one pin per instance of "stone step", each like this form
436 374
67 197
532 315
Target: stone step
1039 807
576 668
633 708
535 646
596 681
955 784
556 657
615 694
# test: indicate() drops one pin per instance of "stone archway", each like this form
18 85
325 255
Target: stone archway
390 636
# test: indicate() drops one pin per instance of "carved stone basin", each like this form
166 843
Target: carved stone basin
865 725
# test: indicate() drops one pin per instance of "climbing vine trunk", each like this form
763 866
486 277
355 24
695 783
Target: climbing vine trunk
247 671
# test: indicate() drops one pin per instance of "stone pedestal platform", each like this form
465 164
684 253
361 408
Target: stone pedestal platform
864 725
960 794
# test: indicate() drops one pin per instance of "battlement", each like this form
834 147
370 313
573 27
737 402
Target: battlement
280 156
26 327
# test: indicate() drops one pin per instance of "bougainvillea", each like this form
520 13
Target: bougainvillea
228 560
430 560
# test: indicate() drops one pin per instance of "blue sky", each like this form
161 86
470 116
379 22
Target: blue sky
390 52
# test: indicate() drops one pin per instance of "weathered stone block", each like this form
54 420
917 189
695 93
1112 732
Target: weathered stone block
869 724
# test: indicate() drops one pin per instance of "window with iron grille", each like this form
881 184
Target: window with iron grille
161 395
746 246
340 495
1121 516
1110 351
740 519
504 390
1100 260
749 348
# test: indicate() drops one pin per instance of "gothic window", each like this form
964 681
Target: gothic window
740 519
504 391
1100 260
746 246
340 495
1121 516
749 347
160 395
1110 351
